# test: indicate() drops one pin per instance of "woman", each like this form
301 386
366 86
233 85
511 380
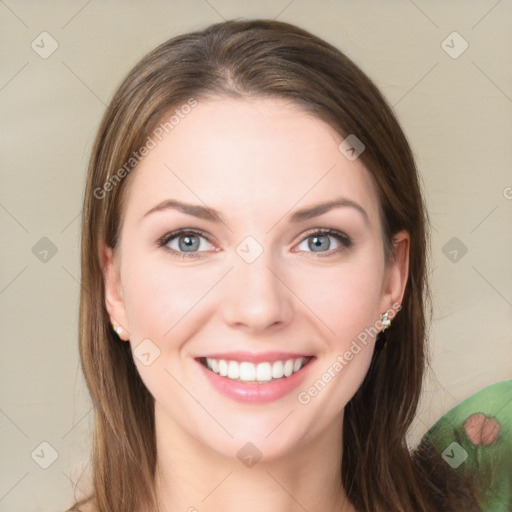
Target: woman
252 225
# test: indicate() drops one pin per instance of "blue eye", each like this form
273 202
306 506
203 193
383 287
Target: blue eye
189 242
318 242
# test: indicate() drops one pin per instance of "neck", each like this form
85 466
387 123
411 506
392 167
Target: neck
191 477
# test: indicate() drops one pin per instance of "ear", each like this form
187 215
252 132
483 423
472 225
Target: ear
397 272
114 301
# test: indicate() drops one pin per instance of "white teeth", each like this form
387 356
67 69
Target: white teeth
223 367
213 364
250 372
247 371
288 368
264 372
277 370
233 370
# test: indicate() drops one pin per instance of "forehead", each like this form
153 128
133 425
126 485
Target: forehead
258 156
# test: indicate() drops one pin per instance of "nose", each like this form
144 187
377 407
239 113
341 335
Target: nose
256 298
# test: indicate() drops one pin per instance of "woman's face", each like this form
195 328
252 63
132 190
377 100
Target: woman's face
254 284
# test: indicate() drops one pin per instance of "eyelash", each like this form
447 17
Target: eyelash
344 240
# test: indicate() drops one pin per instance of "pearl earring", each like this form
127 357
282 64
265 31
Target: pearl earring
118 329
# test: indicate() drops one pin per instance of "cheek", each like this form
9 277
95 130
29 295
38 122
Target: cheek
345 298
162 296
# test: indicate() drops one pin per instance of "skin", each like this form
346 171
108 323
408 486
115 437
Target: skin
255 161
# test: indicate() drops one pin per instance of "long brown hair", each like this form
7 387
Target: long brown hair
257 58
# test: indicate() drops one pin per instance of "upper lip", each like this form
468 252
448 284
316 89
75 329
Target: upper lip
262 357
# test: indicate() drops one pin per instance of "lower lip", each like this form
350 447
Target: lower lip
256 393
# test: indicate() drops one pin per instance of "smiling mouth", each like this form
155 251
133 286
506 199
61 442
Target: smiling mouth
255 373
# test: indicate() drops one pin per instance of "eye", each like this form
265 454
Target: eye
187 243
184 243
319 242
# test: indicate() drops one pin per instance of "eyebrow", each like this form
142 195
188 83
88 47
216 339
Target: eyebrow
210 214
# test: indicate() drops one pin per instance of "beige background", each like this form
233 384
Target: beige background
456 112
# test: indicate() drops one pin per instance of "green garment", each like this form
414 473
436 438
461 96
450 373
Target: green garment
475 439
